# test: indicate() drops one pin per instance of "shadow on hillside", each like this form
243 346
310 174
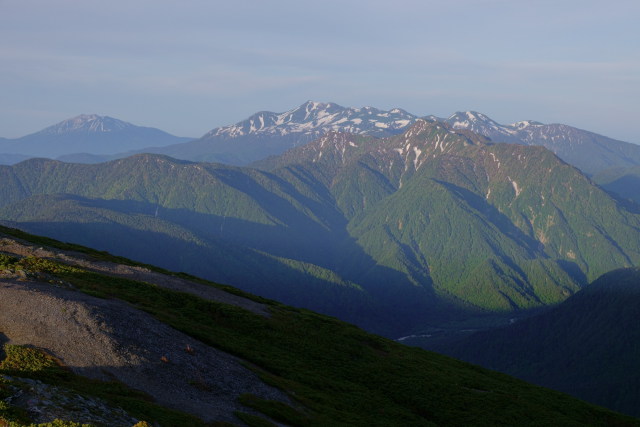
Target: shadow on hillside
245 254
626 191
502 222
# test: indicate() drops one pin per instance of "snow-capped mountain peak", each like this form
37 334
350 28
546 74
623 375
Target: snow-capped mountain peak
89 136
471 120
524 124
313 119
483 125
87 123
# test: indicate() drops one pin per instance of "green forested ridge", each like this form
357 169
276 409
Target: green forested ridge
335 373
389 233
587 346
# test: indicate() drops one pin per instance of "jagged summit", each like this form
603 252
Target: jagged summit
483 124
472 116
587 151
316 118
476 122
421 140
525 124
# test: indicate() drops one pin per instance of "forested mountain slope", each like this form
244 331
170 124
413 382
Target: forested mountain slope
587 346
388 233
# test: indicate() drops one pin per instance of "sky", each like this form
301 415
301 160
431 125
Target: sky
189 66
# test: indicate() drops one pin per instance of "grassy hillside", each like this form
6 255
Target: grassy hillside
335 373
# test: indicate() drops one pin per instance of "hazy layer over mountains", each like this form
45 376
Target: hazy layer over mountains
91 138
86 137
388 233
389 221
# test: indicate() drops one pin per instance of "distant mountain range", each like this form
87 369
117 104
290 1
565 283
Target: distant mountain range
93 139
396 223
587 346
266 133
389 233
589 152
87 133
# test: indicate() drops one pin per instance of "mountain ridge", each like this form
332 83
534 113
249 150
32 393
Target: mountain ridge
316 118
588 151
266 133
352 214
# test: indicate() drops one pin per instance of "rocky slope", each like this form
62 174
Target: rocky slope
109 339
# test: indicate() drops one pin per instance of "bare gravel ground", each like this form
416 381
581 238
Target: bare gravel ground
109 339
16 247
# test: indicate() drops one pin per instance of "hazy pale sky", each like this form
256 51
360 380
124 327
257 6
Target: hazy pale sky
192 65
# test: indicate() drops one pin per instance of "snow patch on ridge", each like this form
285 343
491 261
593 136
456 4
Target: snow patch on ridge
514 184
315 118
417 152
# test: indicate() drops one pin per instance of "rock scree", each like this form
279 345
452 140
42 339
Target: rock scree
111 340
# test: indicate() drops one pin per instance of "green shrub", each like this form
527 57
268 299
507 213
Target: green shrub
44 265
7 261
26 359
